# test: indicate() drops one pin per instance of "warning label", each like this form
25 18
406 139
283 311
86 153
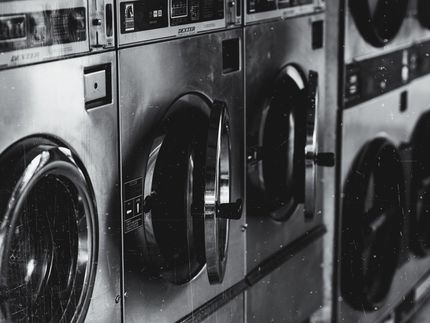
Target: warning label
133 203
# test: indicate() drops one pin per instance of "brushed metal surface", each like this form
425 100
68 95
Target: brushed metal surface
55 106
231 312
269 47
291 293
327 184
151 77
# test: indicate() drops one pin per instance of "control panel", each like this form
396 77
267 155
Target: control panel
37 30
258 10
142 21
419 60
372 77
369 78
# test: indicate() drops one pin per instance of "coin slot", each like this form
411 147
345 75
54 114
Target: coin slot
97 86
404 101
230 55
317 34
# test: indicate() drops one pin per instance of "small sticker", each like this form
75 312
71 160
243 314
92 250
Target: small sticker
129 17
186 31
133 205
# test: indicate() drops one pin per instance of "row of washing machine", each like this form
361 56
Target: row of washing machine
123 150
172 161
382 245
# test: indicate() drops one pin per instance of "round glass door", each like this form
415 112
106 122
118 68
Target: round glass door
420 200
187 191
378 21
372 223
276 161
48 240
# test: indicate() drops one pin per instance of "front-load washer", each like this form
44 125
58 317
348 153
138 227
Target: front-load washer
181 128
376 270
59 207
284 77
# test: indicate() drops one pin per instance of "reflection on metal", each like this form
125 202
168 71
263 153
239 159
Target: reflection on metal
200 152
283 48
51 231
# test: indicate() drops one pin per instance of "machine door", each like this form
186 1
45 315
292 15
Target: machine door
372 223
378 21
187 191
424 13
420 201
281 134
48 244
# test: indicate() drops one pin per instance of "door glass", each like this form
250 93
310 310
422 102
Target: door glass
43 253
177 189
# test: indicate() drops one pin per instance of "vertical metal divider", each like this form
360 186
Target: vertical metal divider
243 54
336 12
122 296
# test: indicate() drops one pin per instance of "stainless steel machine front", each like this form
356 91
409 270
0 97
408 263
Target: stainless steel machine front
59 211
181 127
37 30
284 79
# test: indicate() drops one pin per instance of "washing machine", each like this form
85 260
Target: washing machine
285 112
377 270
59 207
181 134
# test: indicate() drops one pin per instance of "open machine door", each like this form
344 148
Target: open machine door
187 203
48 240
372 223
379 21
282 155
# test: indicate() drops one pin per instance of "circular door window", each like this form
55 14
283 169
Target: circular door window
48 223
424 13
187 189
276 161
420 201
372 222
378 21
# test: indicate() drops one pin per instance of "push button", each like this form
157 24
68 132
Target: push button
128 209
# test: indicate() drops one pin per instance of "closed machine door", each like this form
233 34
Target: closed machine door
48 245
420 199
186 192
378 21
281 146
372 224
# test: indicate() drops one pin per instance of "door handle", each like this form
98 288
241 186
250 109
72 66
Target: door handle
232 211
